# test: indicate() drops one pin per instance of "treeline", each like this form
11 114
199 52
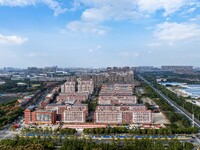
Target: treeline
7 116
21 143
161 131
37 143
165 107
143 144
181 101
172 77
49 131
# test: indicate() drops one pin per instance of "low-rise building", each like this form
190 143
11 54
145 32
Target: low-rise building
39 116
70 113
76 113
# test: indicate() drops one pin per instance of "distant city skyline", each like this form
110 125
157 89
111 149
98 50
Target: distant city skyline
99 33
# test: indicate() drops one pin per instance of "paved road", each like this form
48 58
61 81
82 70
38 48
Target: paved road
173 104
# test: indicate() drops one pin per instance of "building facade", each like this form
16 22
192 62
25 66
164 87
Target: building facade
85 86
33 115
136 114
72 96
68 87
117 100
117 89
76 113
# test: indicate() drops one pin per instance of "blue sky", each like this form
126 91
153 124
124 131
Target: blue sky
99 33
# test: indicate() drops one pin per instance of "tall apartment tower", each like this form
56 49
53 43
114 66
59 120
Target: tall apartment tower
68 87
85 86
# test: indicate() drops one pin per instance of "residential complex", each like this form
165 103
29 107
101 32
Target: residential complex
85 86
78 91
53 113
39 116
117 89
68 113
68 107
72 96
50 96
68 87
114 100
118 105
123 114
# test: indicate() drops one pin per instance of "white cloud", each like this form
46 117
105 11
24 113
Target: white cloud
53 4
99 11
169 6
110 9
177 31
102 10
86 27
12 39
20 3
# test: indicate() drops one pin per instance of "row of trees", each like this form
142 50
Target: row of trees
8 116
144 144
21 143
161 131
48 130
48 143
